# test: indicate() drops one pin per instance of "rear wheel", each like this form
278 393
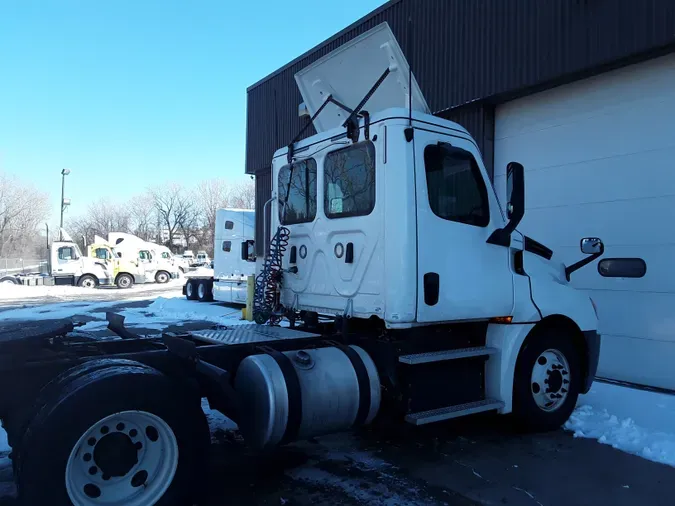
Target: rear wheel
191 289
547 381
138 439
87 281
124 281
204 291
162 277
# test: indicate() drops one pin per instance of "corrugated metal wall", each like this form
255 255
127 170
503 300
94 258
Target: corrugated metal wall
463 51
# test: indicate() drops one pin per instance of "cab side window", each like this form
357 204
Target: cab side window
67 253
297 192
229 225
101 253
455 185
349 181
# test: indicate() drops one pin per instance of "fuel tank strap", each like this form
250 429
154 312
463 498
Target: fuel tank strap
363 380
294 394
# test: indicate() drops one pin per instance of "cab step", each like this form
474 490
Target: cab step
439 356
440 414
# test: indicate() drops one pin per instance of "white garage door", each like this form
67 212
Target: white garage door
599 156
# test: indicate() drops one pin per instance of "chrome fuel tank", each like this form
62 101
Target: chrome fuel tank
300 394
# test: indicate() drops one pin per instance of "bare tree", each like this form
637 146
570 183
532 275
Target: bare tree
22 209
174 206
144 217
100 219
242 196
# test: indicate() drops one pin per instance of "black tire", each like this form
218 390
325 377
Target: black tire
191 289
9 279
18 421
93 396
205 291
162 277
86 280
528 415
124 281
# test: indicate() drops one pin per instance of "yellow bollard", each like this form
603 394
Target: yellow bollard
247 312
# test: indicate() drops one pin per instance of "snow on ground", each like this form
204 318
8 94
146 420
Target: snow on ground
631 420
11 291
170 311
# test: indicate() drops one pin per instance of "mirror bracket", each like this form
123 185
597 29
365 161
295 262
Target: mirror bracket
582 263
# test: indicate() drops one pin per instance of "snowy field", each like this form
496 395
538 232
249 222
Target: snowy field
18 295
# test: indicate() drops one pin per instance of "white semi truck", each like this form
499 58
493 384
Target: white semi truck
68 266
158 262
408 292
234 260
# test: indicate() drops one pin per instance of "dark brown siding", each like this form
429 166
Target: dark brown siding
263 192
478 119
463 51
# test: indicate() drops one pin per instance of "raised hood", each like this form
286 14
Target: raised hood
351 70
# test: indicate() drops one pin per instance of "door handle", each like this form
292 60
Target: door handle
349 253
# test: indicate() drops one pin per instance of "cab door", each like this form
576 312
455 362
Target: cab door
460 275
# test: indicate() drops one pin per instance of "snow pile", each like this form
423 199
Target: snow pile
179 310
634 421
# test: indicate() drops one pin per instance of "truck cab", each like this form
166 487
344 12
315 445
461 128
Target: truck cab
127 267
387 216
69 267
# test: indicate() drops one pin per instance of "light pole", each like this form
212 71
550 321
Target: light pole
64 201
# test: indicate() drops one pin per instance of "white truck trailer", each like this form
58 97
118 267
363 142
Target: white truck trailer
408 290
234 260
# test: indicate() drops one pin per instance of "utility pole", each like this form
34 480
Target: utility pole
64 201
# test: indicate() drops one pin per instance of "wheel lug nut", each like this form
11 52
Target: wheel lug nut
564 391
546 381
564 373
566 382
93 470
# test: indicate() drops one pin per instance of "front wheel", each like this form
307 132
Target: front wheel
547 381
138 439
162 277
87 281
124 281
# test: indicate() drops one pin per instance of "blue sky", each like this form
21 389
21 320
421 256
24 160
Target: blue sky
129 93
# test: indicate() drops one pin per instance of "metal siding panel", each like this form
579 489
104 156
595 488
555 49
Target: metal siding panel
464 51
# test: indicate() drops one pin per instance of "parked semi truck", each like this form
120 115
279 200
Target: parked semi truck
407 290
234 260
158 261
68 266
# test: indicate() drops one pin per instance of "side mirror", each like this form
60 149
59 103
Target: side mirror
248 251
515 187
592 246
515 206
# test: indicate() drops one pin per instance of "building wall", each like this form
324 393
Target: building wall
467 51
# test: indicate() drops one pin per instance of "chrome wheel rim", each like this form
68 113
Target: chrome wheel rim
162 277
126 459
88 283
201 290
550 380
125 282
